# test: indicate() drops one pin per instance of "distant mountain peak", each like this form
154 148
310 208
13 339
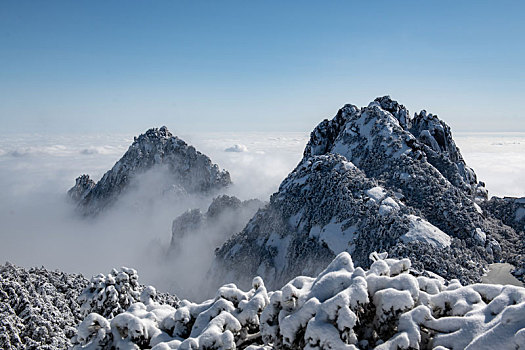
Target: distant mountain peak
188 170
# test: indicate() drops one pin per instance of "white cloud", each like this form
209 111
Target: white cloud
237 148
497 158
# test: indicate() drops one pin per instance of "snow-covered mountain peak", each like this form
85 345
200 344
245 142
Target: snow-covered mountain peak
153 135
355 132
373 179
183 168
384 132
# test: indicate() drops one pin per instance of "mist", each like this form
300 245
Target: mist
39 225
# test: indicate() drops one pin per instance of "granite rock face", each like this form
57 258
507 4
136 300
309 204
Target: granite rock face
186 170
373 179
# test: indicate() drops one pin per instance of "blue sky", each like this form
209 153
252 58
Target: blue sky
98 66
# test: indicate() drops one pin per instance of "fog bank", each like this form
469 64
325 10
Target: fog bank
38 225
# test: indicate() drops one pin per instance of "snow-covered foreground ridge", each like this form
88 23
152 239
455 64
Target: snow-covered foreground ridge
40 309
385 307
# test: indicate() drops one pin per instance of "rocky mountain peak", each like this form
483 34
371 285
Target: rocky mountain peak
383 130
373 179
187 170
397 110
83 185
154 134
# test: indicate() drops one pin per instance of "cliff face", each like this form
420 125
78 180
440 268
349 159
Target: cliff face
373 179
189 171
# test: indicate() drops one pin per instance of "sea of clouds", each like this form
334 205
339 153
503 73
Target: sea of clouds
38 225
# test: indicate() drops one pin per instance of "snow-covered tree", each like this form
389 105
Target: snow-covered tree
38 308
230 319
111 294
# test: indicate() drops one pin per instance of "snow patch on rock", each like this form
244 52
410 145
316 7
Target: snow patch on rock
423 231
335 237
377 193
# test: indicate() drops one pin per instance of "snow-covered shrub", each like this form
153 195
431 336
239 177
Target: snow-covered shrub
230 319
309 311
386 307
389 306
110 295
38 308
94 332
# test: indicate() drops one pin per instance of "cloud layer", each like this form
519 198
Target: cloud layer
38 226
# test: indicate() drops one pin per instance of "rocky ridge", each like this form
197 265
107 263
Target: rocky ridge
225 215
189 171
373 179
511 211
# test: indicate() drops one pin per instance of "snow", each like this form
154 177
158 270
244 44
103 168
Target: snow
92 331
478 208
479 235
337 239
346 165
342 308
388 206
422 230
281 245
376 193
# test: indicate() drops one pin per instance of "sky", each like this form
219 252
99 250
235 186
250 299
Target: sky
125 66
